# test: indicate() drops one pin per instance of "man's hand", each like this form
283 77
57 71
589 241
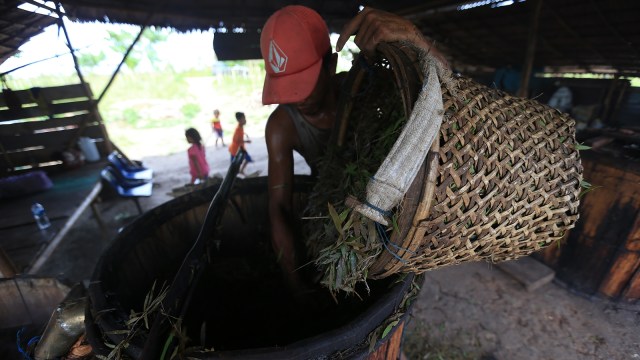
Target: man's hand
372 26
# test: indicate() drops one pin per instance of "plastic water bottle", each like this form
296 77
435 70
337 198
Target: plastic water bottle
41 217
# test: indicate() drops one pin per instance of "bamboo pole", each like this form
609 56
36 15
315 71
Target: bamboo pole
124 58
93 105
531 50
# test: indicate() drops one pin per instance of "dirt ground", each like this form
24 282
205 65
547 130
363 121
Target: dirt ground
470 311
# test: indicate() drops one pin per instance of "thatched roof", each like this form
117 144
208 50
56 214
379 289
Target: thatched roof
18 26
579 35
202 14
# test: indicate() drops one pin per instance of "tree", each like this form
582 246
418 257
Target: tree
120 41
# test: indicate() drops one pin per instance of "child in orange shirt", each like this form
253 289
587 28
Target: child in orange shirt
238 141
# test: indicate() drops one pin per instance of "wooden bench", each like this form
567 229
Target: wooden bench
36 126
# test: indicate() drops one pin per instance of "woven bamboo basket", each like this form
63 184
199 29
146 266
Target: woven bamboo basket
501 181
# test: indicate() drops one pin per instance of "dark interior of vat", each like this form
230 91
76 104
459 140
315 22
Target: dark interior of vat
240 301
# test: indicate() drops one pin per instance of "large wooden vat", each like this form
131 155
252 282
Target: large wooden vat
240 307
601 256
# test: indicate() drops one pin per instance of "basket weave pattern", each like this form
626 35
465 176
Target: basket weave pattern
507 182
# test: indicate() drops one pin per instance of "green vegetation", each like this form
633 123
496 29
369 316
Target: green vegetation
190 110
635 81
147 113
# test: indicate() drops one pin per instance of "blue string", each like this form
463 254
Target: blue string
383 234
33 340
25 355
384 239
381 211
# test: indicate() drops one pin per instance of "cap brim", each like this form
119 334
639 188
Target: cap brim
290 88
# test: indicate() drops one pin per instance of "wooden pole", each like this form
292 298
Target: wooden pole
531 50
606 103
623 88
93 105
124 58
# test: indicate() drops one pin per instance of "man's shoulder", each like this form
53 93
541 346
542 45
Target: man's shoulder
279 119
280 128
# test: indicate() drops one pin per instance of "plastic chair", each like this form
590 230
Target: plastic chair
124 181
129 169
127 189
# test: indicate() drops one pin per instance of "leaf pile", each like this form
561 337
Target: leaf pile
344 244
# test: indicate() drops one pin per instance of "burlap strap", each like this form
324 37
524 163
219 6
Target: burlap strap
390 183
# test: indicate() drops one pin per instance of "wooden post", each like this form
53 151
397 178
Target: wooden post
531 50
606 104
93 105
623 88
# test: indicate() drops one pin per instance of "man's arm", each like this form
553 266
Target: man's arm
280 137
372 26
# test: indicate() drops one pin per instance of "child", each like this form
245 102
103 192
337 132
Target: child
239 140
198 166
216 125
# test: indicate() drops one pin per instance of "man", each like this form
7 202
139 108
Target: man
300 69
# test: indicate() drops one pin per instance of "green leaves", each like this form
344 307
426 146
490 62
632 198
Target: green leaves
346 262
586 188
347 245
389 328
580 146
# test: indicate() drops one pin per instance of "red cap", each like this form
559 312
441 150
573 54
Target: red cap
293 42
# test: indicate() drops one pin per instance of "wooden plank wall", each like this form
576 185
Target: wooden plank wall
46 122
601 255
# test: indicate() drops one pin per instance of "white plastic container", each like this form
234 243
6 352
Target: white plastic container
89 149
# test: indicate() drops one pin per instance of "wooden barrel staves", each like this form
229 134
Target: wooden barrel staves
502 179
240 308
601 255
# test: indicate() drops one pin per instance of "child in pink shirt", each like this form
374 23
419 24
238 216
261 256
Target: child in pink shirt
198 166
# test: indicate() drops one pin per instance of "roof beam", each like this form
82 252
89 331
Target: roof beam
93 104
527 67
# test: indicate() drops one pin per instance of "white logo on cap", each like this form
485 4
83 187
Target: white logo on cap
277 58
